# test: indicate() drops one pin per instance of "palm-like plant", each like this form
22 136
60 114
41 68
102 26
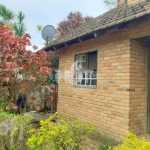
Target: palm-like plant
12 21
6 15
19 27
2 23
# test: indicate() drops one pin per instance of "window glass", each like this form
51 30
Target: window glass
92 60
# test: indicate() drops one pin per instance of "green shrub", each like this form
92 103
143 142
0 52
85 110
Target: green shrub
133 143
13 129
3 105
62 134
103 147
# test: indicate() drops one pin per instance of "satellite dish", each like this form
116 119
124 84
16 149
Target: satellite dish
48 33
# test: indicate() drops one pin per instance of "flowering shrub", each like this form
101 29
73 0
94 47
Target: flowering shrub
62 134
133 143
15 62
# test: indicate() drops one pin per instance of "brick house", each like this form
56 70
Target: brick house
110 85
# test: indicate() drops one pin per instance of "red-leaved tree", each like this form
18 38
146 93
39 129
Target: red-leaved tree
73 20
53 57
15 62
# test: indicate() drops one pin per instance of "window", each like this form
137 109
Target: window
86 69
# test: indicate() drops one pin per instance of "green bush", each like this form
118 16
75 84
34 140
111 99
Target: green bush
3 105
13 129
63 134
133 143
103 147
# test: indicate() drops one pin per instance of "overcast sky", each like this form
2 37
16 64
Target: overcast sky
51 12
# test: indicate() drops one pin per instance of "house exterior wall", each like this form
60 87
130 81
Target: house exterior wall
113 107
138 75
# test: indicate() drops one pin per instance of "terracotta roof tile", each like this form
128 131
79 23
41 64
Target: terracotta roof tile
115 16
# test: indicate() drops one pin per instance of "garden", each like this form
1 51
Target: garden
24 90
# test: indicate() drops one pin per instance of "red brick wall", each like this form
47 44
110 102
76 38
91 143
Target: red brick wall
138 82
111 107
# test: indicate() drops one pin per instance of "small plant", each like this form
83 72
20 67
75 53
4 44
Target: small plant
103 147
133 143
4 104
65 133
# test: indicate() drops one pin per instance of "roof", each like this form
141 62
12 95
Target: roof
120 14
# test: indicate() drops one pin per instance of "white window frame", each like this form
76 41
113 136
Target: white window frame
80 72
81 61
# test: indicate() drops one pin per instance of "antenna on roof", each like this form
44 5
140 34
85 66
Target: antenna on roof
48 33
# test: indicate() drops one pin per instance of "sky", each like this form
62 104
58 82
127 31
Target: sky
51 12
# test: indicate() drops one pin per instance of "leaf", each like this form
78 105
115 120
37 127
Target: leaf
6 79
72 21
16 60
19 29
20 17
24 76
6 14
38 27
9 25
2 22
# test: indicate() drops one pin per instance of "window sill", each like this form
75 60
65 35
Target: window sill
85 86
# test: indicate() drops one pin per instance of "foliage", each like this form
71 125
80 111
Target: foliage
17 61
13 130
19 26
103 147
130 143
111 3
13 21
62 134
6 14
46 95
38 27
133 143
53 57
3 105
73 20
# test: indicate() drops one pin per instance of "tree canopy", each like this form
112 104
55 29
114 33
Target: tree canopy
72 21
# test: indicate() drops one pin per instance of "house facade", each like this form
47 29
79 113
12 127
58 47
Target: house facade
105 70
